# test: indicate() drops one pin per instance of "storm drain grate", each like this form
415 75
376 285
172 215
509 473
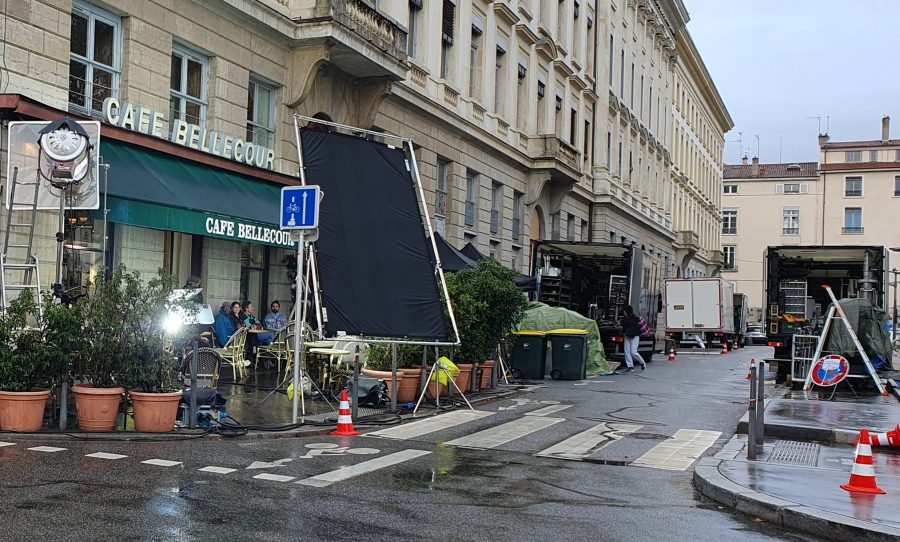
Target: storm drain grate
800 454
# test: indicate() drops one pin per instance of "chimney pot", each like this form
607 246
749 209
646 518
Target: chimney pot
824 139
744 160
885 128
754 168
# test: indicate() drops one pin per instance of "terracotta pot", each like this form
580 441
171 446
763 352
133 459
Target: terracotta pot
486 368
22 411
154 412
97 408
386 376
435 390
464 378
408 388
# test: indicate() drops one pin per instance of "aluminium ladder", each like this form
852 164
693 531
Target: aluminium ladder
836 308
19 269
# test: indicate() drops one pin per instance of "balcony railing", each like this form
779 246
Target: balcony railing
729 231
790 231
470 213
852 229
516 229
495 221
852 193
440 202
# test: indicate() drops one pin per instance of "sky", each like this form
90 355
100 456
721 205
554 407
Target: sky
776 63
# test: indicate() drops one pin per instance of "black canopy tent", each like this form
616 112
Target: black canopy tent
523 282
452 260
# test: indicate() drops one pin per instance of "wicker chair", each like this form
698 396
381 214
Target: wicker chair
234 352
208 363
278 350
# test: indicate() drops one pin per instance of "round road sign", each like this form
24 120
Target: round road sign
830 370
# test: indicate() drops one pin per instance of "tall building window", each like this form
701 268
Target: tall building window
554 226
522 96
261 113
790 222
188 89
729 189
570 228
641 107
853 156
518 198
472 187
873 156
415 11
853 187
447 26
542 108
621 157
573 126
561 23
94 59
500 81
496 205
559 116
592 46
587 144
612 48
853 220
896 186
475 55
609 150
730 257
622 73
442 184
729 221
632 85
650 105
584 230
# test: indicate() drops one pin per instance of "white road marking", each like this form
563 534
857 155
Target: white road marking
679 452
507 432
339 475
49 449
161 462
547 410
217 470
586 382
429 425
104 455
583 444
2 444
269 464
274 477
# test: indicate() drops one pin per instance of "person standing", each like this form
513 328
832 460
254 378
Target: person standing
631 331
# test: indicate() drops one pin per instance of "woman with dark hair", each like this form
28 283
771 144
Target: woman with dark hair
227 322
631 331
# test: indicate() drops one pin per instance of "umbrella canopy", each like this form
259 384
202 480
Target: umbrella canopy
472 253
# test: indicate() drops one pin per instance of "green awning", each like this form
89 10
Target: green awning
155 190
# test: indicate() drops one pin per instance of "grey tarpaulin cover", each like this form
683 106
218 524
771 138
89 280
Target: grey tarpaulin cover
541 317
868 322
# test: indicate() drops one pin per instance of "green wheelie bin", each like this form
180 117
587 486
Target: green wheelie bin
528 359
568 351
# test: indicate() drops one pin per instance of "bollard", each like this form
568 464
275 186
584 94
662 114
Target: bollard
751 418
760 406
393 378
354 400
192 412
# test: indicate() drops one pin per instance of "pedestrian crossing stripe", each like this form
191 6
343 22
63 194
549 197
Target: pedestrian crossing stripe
48 449
161 462
679 452
2 444
217 470
339 475
429 425
581 445
274 477
507 432
104 455
552 409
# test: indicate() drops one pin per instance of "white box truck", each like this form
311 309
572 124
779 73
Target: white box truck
700 311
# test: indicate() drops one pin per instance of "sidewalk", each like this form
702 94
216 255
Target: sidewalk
807 455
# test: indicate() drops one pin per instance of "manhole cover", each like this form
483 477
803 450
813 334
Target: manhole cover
789 452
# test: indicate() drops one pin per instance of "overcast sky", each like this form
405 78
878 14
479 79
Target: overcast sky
777 62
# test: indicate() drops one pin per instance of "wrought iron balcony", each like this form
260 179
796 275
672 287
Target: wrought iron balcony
440 202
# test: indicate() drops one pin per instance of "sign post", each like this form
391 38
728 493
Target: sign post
299 212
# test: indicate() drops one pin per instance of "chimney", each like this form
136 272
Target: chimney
885 128
744 160
823 140
754 169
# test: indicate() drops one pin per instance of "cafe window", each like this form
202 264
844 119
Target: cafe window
94 58
253 266
187 100
261 113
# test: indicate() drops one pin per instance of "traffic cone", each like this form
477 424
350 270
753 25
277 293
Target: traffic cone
724 349
345 422
752 365
671 355
862 477
891 438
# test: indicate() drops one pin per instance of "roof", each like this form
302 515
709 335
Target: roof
771 171
854 144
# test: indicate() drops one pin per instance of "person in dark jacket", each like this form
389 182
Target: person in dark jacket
631 331
227 322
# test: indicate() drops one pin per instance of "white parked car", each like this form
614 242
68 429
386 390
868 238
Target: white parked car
755 335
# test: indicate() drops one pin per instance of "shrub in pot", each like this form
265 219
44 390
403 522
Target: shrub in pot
99 369
378 358
32 358
487 304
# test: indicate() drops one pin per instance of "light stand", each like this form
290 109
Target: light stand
438 365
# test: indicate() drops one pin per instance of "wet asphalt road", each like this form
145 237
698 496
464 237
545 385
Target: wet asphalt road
449 493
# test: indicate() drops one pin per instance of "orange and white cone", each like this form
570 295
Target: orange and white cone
724 348
752 365
671 354
345 422
862 477
891 438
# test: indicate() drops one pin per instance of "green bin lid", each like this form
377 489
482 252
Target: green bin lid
530 332
567 332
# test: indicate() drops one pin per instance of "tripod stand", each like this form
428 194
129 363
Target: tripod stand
439 365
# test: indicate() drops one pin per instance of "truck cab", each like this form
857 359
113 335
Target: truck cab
598 280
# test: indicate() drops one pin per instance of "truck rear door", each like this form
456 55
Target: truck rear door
708 304
679 302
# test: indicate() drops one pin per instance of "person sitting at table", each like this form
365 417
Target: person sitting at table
252 322
275 319
227 322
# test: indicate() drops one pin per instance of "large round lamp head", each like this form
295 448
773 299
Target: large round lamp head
64 154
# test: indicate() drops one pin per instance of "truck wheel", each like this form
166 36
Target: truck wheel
556 374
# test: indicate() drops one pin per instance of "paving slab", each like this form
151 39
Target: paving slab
827 421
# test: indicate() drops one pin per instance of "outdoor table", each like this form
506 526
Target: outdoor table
324 373
318 344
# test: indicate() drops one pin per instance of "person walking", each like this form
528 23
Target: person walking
631 331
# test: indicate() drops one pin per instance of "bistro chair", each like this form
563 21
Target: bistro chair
278 349
208 362
235 354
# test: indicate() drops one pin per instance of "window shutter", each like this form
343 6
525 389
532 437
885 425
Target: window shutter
448 21
779 189
804 188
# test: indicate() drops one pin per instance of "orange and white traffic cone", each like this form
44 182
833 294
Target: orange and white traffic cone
345 422
891 438
752 365
671 355
862 477
724 348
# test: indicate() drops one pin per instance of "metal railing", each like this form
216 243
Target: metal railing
729 230
852 229
440 202
790 231
495 221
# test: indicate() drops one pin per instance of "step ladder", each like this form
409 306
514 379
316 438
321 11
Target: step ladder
19 269
830 317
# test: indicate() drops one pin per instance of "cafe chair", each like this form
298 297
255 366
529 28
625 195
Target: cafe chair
277 350
208 362
234 353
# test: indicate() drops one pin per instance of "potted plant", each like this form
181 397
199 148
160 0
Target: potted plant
154 323
487 304
99 368
32 358
378 358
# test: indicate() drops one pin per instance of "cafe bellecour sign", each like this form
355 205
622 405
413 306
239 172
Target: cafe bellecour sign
150 122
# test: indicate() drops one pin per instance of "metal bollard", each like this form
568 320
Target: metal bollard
354 396
192 413
760 406
751 418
